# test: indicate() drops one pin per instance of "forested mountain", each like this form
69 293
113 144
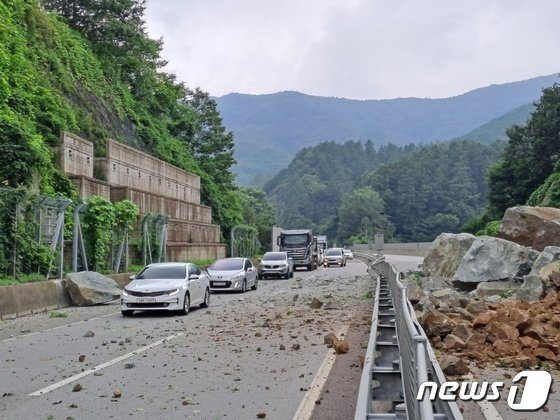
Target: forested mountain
529 167
496 129
277 125
91 69
410 193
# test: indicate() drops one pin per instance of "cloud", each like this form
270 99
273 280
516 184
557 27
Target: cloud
357 48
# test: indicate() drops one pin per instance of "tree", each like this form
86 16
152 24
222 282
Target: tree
259 213
362 212
529 157
117 31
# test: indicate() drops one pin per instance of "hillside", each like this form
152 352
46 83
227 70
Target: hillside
90 68
409 193
278 125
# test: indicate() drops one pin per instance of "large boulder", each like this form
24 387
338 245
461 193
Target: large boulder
549 254
503 288
536 227
90 288
495 259
531 290
550 275
446 253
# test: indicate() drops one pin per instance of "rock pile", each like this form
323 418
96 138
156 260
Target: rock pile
513 333
494 300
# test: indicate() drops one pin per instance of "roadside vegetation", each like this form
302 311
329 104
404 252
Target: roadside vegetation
90 68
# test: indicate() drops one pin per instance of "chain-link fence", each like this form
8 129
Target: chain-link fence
31 234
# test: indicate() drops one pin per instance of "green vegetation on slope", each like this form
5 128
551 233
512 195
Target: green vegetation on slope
529 159
412 193
90 68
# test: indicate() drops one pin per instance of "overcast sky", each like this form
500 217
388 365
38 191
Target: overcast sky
361 49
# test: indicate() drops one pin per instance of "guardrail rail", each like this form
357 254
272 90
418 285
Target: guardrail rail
399 357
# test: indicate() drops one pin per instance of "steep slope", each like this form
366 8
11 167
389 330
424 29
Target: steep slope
277 125
496 129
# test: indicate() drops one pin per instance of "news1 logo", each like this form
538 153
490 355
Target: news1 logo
533 396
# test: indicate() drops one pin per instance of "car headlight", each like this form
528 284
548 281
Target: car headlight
173 292
125 292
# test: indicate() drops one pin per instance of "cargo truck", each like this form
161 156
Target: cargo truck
301 247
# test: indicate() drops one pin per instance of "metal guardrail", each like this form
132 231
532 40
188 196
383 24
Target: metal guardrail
416 362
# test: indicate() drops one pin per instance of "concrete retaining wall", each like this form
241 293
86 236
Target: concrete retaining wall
23 299
418 249
27 298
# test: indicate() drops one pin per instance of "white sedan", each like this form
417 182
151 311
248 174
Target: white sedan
166 286
232 274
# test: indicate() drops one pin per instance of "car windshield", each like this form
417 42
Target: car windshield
163 272
332 252
227 265
295 240
274 256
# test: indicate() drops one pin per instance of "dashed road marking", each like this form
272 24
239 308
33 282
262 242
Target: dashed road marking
97 368
307 405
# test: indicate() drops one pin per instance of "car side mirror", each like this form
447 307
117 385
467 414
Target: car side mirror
249 268
194 277
132 277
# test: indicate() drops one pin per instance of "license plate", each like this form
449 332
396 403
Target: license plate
146 300
219 283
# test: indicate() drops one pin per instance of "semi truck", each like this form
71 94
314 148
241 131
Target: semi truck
301 247
322 242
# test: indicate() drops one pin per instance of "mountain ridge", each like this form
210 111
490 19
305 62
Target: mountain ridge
280 124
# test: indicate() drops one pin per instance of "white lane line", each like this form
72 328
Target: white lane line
308 278
489 410
57 328
307 405
66 381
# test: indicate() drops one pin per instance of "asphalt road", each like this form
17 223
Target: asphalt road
246 356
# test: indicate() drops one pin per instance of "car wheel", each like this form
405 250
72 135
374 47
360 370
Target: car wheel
244 286
206 302
255 285
259 276
127 313
291 273
186 304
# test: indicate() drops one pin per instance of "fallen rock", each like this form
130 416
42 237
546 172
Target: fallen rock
330 339
484 318
88 288
501 331
504 348
485 290
495 259
531 290
315 304
550 275
452 365
414 292
452 342
445 254
462 331
544 354
536 227
437 324
476 307
341 346
548 255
